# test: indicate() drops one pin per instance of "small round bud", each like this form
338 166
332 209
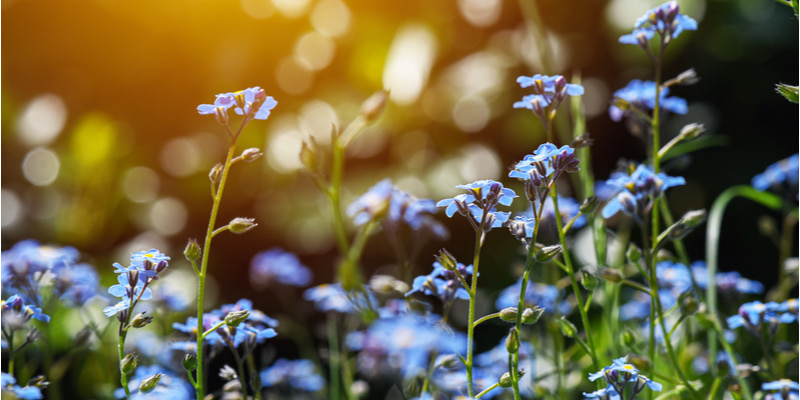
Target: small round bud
582 141
215 175
589 204
628 338
241 225
140 320
150 383
509 314
192 250
234 318
505 380
251 154
512 341
128 363
567 328
588 281
189 362
531 315
633 253
372 107
692 131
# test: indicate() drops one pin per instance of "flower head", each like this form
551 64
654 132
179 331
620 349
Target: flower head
783 171
252 102
620 374
297 374
633 193
549 93
666 20
479 202
782 389
332 297
642 96
442 283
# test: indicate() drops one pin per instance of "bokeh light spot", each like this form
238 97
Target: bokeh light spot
479 162
40 166
409 63
293 78
471 114
283 146
291 8
595 97
314 50
258 9
141 184
480 12
168 216
180 157
11 208
331 17
42 120
317 118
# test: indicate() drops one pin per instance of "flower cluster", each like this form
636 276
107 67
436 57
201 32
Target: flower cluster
666 20
134 281
9 387
754 315
785 171
479 204
782 389
621 376
633 193
641 96
332 297
548 93
252 103
443 283
298 375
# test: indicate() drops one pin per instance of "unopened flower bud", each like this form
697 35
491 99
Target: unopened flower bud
221 114
628 338
38 381
215 175
688 303
128 363
588 205
692 131
189 362
140 320
567 328
588 281
610 274
251 154
512 341
582 141
505 380
150 383
447 260
234 318
448 361
308 157
531 315
241 225
371 108
633 253
228 373
192 250
547 253
509 314
33 335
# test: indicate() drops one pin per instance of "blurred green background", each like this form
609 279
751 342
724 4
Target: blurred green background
102 147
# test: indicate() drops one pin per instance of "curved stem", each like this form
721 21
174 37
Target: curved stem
480 235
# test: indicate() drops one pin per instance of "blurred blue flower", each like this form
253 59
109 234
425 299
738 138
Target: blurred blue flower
546 153
754 314
278 265
75 283
135 279
297 374
332 297
726 281
404 343
783 171
480 200
373 204
8 385
442 283
25 263
536 294
16 311
607 393
642 95
782 389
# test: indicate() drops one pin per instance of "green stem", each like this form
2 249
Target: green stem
123 377
334 194
11 350
480 235
486 318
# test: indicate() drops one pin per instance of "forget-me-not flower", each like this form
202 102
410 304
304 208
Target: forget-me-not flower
633 194
620 374
784 171
782 389
479 202
666 20
298 374
642 96
251 102
277 265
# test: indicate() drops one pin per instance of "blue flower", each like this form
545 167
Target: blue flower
135 279
549 93
332 297
664 20
27 261
278 265
75 284
630 193
642 95
442 283
297 374
408 341
783 171
754 314
536 294
725 281
607 393
620 374
251 102
13 308
546 153
480 200
784 389
373 204
9 385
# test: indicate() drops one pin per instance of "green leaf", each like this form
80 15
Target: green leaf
790 92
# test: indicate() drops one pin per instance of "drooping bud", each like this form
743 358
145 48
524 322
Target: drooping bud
633 254
531 315
688 303
512 340
691 131
215 175
447 260
309 157
547 253
588 280
140 320
241 225
588 205
567 328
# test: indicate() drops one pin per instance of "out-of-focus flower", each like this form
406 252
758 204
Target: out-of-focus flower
8 386
782 389
666 20
633 193
784 171
278 265
480 200
754 314
549 93
251 102
642 95
373 204
170 386
442 283
332 297
297 374
536 294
